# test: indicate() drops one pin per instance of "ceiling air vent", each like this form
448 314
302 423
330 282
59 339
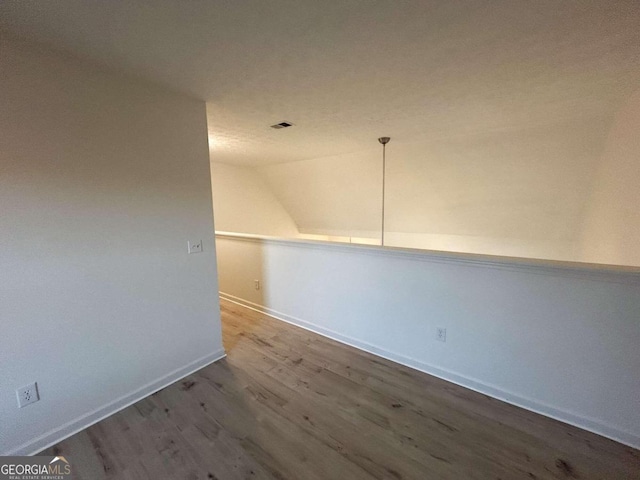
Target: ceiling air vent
282 125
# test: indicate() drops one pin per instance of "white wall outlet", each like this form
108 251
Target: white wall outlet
256 284
195 247
441 334
27 395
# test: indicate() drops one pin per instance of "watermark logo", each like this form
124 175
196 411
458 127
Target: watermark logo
35 468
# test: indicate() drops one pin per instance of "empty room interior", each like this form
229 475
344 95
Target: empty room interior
282 239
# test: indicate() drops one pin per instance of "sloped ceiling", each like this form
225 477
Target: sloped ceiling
532 183
348 72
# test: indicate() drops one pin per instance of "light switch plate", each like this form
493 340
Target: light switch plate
194 246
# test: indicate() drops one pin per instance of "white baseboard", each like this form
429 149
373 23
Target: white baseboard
589 424
74 426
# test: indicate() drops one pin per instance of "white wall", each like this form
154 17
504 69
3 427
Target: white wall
564 190
338 195
244 203
612 221
103 179
561 340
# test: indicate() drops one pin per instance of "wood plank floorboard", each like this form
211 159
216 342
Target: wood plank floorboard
289 404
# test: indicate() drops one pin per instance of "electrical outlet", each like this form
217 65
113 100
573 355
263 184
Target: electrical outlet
27 395
194 247
256 284
441 334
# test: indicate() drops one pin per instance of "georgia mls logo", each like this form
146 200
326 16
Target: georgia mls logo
34 468
59 466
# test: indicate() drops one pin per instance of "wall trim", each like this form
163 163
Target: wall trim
592 425
588 271
72 427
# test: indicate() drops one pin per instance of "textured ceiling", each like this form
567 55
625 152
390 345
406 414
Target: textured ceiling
348 72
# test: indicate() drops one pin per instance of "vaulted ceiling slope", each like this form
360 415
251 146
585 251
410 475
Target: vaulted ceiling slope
348 72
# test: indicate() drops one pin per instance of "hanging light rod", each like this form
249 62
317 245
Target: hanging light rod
383 141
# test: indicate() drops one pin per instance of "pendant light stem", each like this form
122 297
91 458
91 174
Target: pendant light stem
384 172
383 141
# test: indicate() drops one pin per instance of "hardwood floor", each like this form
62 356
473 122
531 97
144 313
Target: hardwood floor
289 404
